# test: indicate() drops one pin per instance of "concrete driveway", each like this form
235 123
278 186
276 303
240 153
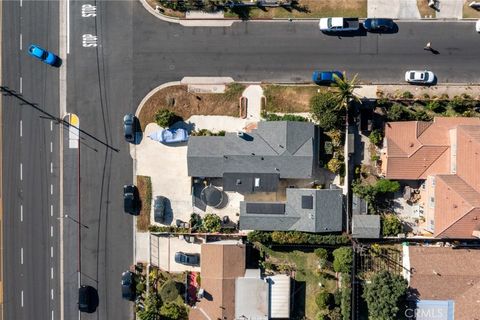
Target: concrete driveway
167 167
164 247
395 9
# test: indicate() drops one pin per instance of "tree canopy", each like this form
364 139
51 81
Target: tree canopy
324 109
384 294
342 259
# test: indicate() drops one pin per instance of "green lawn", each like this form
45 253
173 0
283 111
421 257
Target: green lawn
307 279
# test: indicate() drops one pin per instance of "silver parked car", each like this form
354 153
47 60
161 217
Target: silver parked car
419 77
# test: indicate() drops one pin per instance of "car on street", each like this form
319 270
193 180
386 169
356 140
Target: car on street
477 25
129 127
169 136
326 78
339 24
190 259
128 286
159 205
419 77
43 55
130 199
87 299
379 25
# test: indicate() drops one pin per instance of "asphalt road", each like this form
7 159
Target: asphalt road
30 164
290 51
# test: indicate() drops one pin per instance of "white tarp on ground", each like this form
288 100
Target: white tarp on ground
279 296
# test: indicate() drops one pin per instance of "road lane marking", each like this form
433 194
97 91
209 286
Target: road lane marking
51 231
21 171
52 315
51 167
21 213
51 188
21 47
51 125
89 40
51 252
89 10
51 146
22 298
21 3
51 294
21 85
51 272
51 211
21 255
21 128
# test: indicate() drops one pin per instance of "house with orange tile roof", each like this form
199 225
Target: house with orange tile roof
445 155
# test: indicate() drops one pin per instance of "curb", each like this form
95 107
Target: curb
229 22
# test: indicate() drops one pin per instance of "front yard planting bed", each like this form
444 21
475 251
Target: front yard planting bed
298 9
289 99
144 186
470 12
185 104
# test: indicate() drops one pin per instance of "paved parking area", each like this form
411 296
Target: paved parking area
395 9
163 250
167 167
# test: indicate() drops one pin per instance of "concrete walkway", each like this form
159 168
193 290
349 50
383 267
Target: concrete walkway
373 91
448 9
395 9
254 95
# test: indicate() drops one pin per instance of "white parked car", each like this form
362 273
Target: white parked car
420 77
477 25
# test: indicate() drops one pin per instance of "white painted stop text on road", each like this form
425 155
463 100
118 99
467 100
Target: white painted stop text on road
89 10
89 40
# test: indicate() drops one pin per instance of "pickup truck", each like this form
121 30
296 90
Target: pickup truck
339 24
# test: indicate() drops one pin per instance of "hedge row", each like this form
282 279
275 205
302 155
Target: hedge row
296 237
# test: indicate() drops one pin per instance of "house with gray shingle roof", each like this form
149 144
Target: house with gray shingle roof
258 162
308 210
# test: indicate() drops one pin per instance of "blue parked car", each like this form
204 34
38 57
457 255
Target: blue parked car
379 25
326 77
44 55
168 136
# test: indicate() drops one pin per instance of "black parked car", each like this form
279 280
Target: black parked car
159 206
129 127
191 259
379 25
130 199
128 286
87 299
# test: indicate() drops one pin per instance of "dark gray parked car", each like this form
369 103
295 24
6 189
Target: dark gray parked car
191 259
129 127
159 206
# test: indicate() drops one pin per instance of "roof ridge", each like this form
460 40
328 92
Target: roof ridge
454 190
434 160
427 125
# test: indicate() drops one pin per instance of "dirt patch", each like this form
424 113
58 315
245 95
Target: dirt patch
186 104
289 98
425 10
144 186
470 12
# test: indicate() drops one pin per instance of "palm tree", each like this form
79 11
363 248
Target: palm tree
344 94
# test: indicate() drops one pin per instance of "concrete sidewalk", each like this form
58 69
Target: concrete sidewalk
378 91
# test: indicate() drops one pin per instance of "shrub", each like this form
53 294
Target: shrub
346 303
374 157
391 225
384 294
165 118
459 104
296 237
376 137
334 165
321 253
385 186
436 107
407 95
169 291
259 236
343 259
173 311
421 115
337 297
324 300
397 112
324 109
211 223
286 117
